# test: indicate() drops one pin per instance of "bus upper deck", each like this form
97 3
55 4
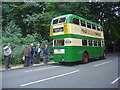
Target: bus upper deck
72 24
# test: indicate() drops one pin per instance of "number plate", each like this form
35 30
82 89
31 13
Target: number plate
59 51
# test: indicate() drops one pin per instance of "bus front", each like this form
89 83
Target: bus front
58 30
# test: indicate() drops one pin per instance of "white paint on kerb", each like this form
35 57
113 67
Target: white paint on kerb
41 69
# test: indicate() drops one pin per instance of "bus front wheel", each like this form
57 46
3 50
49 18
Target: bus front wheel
85 58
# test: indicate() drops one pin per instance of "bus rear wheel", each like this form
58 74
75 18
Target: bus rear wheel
85 58
103 55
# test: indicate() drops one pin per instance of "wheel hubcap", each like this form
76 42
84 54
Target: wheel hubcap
85 58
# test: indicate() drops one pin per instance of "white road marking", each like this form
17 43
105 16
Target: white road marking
42 80
41 69
115 80
102 63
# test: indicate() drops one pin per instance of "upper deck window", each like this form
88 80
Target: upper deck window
55 21
83 23
93 26
62 20
98 28
76 21
59 20
88 25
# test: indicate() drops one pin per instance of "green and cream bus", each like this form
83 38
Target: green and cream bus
76 39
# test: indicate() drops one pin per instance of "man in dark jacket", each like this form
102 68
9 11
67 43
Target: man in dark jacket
45 54
31 53
27 55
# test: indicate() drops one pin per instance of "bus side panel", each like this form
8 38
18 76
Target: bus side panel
75 53
94 52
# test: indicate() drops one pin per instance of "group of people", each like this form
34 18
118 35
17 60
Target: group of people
28 53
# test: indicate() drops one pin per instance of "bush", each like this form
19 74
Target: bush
17 55
12 34
17 45
1 55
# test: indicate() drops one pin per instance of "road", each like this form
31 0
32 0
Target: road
95 74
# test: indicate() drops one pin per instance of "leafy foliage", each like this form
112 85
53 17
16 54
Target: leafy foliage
12 30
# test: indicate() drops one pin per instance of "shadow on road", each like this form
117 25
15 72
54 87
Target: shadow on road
108 55
67 64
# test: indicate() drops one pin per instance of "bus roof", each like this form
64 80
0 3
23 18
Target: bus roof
72 15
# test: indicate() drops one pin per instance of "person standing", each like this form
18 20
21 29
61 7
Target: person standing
37 51
27 55
7 55
31 53
45 51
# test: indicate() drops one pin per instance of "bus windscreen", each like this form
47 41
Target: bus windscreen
58 42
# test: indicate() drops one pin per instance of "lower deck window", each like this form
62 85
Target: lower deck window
95 43
103 43
84 42
99 43
58 42
90 42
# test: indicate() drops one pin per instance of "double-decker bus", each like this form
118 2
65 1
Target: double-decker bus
76 39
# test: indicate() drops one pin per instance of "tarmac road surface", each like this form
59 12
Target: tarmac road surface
95 74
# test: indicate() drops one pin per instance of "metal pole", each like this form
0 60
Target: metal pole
114 47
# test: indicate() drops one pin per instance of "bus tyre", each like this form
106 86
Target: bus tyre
85 58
